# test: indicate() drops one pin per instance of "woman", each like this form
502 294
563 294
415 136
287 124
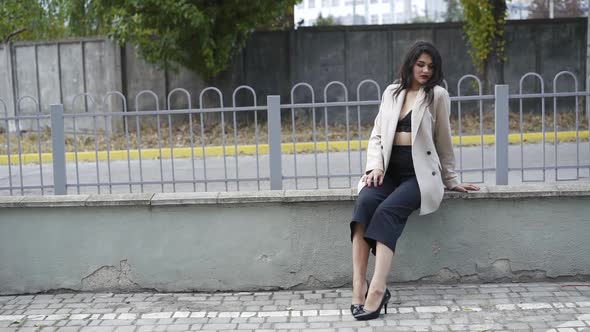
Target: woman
409 162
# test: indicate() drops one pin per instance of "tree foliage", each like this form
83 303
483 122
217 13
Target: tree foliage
484 29
325 21
561 8
28 19
201 35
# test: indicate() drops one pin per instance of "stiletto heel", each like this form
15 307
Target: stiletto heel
366 315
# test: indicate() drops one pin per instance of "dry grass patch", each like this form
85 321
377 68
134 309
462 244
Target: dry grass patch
32 141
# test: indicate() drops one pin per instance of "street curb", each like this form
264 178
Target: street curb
287 148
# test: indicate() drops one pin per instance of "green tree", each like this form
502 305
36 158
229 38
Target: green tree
201 35
484 29
29 19
325 21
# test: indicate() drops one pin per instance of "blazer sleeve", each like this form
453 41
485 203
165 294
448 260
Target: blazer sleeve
443 140
374 148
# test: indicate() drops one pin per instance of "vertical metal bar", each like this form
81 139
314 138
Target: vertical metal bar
58 149
294 148
171 141
8 152
223 148
521 122
107 127
160 151
40 147
274 141
555 141
138 135
315 148
236 150
577 139
257 152
128 144
327 133
192 142
358 119
76 153
501 124
20 154
460 132
544 132
39 110
348 145
203 147
96 149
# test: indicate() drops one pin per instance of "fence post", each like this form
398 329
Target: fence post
274 142
501 111
58 149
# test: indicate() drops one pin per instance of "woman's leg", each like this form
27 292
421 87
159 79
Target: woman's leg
360 259
383 260
367 202
386 227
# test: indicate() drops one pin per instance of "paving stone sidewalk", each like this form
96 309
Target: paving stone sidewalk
557 307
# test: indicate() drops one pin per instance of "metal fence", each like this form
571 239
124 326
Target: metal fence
299 144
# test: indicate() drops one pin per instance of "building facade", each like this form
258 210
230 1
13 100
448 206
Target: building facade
359 12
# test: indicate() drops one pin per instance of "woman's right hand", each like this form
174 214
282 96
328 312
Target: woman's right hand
374 178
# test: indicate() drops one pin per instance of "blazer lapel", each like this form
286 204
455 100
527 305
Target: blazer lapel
417 113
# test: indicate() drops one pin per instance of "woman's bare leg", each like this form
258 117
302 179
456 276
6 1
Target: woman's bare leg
383 259
360 259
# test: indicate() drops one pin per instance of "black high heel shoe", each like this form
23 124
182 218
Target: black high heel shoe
366 315
356 308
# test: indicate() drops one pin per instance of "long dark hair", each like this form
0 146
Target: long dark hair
405 75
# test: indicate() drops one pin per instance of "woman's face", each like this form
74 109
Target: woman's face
422 69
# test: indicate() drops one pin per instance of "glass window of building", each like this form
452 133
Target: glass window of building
335 3
374 1
311 4
348 2
386 18
325 3
374 19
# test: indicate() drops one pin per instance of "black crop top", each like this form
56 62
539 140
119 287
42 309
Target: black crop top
405 125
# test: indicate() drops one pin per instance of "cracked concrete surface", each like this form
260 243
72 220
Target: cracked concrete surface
110 278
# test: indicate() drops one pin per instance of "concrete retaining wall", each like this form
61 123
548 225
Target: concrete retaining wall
282 240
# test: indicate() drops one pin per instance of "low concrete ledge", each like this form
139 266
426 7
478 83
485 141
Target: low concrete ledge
292 239
274 196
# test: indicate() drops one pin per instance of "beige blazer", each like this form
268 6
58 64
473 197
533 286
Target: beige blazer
432 149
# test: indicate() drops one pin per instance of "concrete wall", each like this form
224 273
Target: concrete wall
272 62
282 240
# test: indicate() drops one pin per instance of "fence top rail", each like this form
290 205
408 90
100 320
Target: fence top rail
178 111
548 95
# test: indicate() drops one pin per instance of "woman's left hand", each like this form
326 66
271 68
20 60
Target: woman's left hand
465 187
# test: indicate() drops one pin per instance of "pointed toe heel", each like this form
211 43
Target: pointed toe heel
367 315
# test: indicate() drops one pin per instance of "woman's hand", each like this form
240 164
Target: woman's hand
465 187
375 178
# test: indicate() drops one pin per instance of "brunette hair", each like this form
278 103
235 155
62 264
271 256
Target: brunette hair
405 74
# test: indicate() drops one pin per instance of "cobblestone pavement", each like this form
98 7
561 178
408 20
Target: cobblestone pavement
557 307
